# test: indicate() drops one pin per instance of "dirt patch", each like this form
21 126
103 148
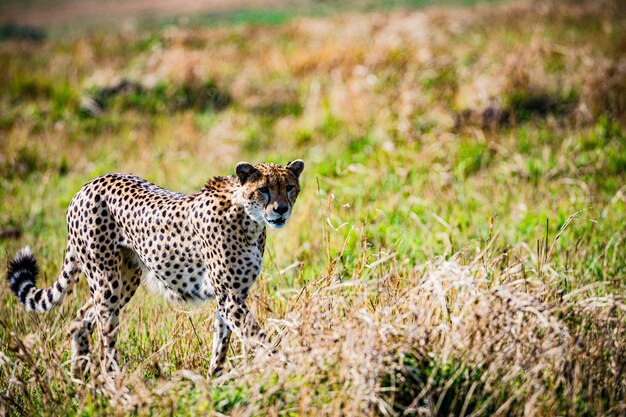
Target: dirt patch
92 11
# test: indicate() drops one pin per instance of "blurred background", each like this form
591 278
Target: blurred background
486 133
397 107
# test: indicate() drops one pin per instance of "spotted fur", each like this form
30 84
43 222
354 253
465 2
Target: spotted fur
124 231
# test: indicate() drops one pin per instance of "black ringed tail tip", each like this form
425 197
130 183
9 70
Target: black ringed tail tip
22 273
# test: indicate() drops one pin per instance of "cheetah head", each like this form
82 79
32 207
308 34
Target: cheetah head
269 191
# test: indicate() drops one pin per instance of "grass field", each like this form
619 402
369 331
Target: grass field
459 244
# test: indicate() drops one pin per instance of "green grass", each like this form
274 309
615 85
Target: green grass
390 281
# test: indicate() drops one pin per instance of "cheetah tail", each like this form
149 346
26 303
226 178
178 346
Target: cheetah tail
22 273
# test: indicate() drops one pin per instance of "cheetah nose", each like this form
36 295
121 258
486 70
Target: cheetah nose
281 209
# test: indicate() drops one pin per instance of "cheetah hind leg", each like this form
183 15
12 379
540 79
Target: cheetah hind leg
81 331
83 326
111 301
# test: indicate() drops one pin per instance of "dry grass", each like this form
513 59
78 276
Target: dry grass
457 336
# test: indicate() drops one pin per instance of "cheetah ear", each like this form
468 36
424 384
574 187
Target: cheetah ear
296 167
244 171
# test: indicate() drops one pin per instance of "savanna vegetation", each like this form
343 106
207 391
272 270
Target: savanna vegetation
459 244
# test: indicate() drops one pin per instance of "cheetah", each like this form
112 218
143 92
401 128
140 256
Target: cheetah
124 231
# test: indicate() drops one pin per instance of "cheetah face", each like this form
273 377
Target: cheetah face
269 191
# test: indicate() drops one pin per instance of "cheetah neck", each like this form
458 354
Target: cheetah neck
225 194
252 228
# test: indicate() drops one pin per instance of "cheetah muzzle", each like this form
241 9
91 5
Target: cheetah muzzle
124 231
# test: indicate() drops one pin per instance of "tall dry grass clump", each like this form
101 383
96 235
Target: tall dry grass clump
605 88
473 339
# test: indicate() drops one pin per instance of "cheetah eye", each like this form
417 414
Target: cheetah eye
264 190
289 188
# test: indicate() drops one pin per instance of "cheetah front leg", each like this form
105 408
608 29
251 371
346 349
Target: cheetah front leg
221 340
240 320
